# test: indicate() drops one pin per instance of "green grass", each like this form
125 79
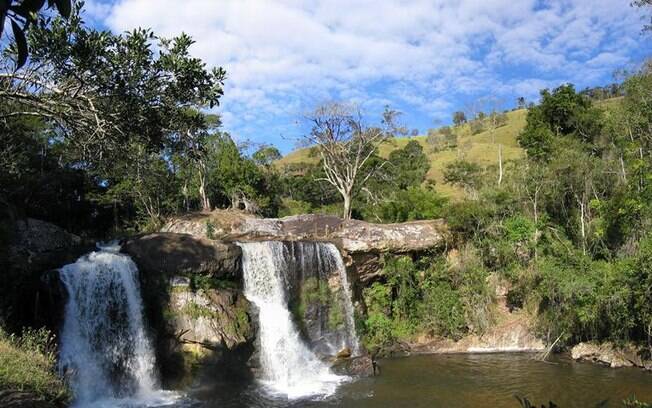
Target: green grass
477 148
28 363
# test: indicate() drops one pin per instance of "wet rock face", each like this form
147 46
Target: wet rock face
182 254
212 318
611 355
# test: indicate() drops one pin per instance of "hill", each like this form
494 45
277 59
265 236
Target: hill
477 148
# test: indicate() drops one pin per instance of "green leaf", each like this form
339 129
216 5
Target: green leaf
64 7
21 43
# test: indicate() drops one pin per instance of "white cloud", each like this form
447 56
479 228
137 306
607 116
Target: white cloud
284 55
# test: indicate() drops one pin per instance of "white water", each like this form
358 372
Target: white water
352 338
104 348
289 368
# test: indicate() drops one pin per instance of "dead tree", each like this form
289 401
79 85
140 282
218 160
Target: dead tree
345 146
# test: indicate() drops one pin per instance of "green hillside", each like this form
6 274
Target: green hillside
477 148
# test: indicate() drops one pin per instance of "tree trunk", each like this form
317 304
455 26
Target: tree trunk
205 201
500 164
582 227
347 206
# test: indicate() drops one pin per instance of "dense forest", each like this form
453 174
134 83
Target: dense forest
110 134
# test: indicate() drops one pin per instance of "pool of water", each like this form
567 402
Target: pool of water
458 380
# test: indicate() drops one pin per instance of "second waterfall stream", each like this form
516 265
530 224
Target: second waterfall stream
290 368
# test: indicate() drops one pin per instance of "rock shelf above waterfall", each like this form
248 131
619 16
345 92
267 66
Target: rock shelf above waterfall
352 236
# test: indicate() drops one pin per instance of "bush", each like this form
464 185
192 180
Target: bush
294 207
415 203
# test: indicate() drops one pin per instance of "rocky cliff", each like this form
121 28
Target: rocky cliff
192 292
351 236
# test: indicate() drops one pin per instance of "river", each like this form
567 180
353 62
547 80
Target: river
461 380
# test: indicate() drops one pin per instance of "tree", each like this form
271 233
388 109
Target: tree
346 145
391 120
464 174
459 118
409 165
521 103
266 155
103 91
24 13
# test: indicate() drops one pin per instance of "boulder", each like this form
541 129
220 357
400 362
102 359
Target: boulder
178 254
609 354
38 245
359 366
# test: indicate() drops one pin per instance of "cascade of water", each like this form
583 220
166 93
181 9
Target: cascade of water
289 367
104 347
352 338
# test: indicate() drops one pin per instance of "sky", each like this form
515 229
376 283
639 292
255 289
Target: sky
424 58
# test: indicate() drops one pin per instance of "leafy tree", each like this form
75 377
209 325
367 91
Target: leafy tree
464 174
644 4
103 91
409 165
459 118
266 155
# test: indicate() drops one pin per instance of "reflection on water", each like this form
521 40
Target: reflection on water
463 380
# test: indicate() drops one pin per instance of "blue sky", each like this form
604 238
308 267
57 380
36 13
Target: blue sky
424 58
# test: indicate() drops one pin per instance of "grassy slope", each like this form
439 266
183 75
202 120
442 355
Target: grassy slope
25 369
476 148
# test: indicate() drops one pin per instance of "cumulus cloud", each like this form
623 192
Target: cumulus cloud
425 57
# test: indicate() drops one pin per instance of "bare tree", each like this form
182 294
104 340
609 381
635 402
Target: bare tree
345 145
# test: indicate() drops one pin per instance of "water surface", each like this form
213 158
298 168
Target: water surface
460 380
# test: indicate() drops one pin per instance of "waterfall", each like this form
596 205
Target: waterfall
104 348
289 367
347 302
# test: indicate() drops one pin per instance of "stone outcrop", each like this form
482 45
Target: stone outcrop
191 288
33 249
180 254
609 354
22 399
211 319
352 236
513 334
359 366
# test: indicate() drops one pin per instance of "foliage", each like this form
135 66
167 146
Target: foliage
22 14
409 165
426 295
464 174
28 363
458 118
415 203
